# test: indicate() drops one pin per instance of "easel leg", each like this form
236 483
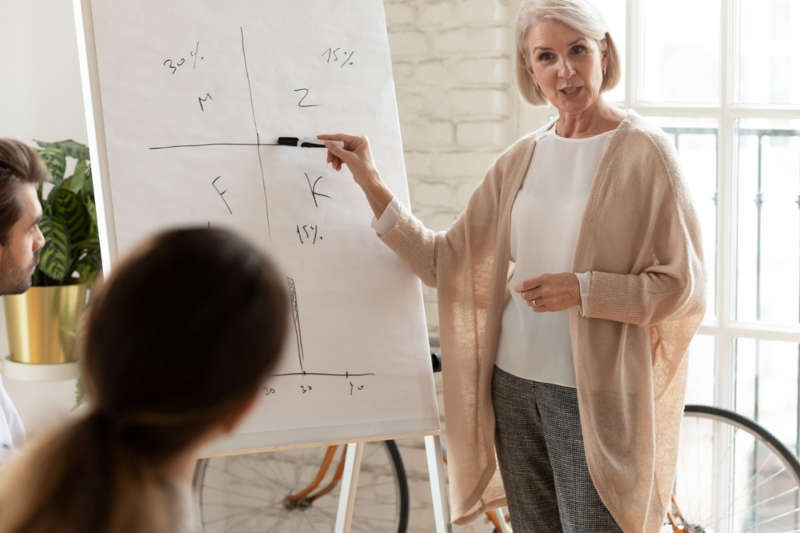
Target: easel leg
503 524
347 496
441 511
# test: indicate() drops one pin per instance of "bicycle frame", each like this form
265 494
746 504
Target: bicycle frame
304 498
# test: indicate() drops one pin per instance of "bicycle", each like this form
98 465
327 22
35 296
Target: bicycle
733 476
280 491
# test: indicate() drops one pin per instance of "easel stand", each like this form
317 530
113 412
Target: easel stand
132 53
436 473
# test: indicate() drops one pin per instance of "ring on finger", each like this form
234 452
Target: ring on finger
534 302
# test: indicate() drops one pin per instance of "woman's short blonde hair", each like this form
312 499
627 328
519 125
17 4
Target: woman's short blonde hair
580 15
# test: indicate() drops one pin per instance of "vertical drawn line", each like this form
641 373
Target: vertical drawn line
296 321
258 135
196 50
308 180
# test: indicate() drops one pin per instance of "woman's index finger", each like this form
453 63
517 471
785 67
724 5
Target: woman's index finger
528 284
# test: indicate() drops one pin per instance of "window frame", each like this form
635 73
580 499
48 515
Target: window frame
724 327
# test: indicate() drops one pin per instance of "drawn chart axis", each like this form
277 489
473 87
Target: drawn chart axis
331 55
347 375
307 234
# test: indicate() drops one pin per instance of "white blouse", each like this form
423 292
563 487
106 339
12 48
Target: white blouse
545 221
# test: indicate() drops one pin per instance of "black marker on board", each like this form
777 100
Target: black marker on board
305 142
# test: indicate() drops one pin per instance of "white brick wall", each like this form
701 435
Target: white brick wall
457 100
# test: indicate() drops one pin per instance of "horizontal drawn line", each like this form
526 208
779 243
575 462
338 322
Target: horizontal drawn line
209 144
341 375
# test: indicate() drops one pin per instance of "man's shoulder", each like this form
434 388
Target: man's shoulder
12 431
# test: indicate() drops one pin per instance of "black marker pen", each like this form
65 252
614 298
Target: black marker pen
305 142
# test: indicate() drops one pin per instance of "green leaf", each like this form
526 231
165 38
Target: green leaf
87 258
77 181
69 147
56 161
87 267
80 393
90 244
43 144
88 203
72 249
40 279
74 149
88 187
54 260
67 206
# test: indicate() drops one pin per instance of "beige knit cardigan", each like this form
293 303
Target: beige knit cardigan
640 239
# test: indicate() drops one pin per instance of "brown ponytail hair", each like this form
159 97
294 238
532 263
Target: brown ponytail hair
177 342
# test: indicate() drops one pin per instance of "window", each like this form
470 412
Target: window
722 78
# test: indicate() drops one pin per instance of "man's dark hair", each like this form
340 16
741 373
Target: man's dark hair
18 163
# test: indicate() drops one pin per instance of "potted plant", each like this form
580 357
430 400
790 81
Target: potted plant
42 323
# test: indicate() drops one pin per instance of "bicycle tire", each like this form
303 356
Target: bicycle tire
734 475
229 504
402 486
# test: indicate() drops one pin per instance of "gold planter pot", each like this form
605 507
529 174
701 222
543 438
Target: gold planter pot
43 323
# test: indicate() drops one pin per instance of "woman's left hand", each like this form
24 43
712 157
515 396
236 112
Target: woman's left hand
551 292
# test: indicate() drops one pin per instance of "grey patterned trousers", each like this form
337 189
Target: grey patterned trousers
542 460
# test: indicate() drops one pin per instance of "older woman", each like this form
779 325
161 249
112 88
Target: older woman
569 290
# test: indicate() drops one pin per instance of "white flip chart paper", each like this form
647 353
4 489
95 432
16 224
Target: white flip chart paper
193 96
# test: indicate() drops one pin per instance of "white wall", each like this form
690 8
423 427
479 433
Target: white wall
41 90
41 99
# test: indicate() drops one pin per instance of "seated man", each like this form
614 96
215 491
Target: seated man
21 170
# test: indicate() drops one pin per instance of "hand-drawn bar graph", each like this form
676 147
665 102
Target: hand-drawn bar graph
298 333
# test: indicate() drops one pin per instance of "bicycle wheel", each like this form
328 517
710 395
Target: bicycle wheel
246 493
733 476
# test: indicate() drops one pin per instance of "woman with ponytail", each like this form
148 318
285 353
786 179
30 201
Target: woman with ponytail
177 344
